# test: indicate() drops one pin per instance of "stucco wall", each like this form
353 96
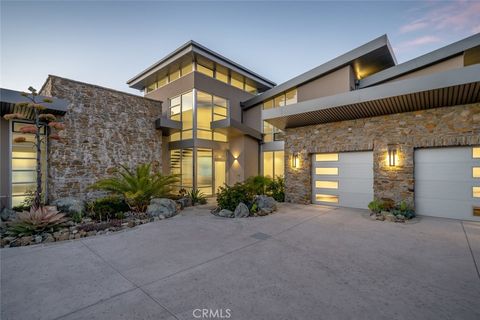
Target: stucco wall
448 126
105 128
339 81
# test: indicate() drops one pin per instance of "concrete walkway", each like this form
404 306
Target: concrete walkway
305 262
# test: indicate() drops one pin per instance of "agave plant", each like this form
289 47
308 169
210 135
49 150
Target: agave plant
138 186
197 196
36 221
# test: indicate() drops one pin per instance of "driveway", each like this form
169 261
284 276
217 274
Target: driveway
305 262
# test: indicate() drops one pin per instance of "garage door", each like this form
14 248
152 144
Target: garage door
343 179
447 182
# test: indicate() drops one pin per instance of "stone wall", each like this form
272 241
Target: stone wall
448 126
105 128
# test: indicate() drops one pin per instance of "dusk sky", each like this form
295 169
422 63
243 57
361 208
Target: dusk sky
106 43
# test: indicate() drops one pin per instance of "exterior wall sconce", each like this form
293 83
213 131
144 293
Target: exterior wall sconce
392 155
295 161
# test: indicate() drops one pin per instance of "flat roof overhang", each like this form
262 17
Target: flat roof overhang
234 128
449 88
168 126
9 100
367 59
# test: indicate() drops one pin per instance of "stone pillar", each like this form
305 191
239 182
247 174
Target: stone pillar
298 181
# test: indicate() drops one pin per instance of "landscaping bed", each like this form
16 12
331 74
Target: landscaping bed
386 210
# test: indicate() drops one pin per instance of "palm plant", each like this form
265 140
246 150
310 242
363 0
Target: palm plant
197 196
138 186
36 221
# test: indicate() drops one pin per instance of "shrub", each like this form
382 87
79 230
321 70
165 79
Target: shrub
376 206
276 189
404 209
44 219
107 208
138 186
197 196
229 197
258 184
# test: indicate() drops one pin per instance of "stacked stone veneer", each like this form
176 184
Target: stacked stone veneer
105 128
439 127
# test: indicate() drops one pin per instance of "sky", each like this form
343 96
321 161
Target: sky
108 42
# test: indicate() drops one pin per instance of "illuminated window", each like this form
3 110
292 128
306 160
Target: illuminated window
174 75
326 184
476 192
221 73
210 108
162 81
291 97
151 87
326 198
476 153
205 70
327 171
476 172
204 171
271 133
268 104
279 101
273 163
186 68
236 80
250 86
326 157
181 109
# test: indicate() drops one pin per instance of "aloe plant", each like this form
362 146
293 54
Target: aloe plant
36 221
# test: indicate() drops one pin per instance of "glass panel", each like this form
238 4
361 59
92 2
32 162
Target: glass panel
204 134
220 112
236 80
476 172
175 136
17 200
204 110
326 184
268 104
217 136
250 87
279 161
187 134
291 97
476 192
327 171
279 101
219 102
21 189
175 161
187 111
187 68
206 71
476 153
24 164
174 75
151 87
163 81
221 73
220 169
175 110
18 125
326 157
268 164
326 198
23 176
204 169
187 168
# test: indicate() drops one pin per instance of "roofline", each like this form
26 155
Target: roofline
430 58
325 68
10 96
192 46
444 79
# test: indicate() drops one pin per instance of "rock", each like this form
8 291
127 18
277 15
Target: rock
91 233
25 241
390 217
48 238
38 239
77 236
8 214
400 218
162 206
263 202
185 202
225 213
63 237
241 211
131 224
70 205
380 217
74 231
264 211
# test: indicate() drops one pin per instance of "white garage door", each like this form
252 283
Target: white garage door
447 182
343 179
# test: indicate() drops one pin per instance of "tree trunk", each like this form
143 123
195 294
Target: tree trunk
38 192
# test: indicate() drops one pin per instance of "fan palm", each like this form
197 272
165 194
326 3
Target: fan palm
138 186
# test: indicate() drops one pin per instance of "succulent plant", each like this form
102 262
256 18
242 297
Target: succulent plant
36 221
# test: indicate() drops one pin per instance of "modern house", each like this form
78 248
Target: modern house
358 127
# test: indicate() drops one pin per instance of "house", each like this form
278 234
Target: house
358 127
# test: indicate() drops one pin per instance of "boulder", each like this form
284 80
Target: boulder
162 206
70 205
241 211
184 202
390 217
8 214
264 212
225 213
266 202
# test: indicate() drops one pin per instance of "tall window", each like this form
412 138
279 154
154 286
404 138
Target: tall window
284 99
271 133
273 163
24 170
181 109
181 163
210 108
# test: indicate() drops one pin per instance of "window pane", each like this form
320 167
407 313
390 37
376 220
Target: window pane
204 169
476 172
217 136
174 75
206 71
268 164
187 111
219 102
476 192
236 80
279 161
326 198
204 134
221 73
175 161
175 101
326 157
23 176
24 164
188 134
21 189
326 184
204 110
291 97
219 111
250 87
279 101
327 171
163 81
187 68
151 87
476 153
268 104
187 168
175 136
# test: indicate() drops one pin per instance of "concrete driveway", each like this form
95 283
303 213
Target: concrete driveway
305 262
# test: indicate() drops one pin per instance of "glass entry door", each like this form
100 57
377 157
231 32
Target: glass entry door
220 169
